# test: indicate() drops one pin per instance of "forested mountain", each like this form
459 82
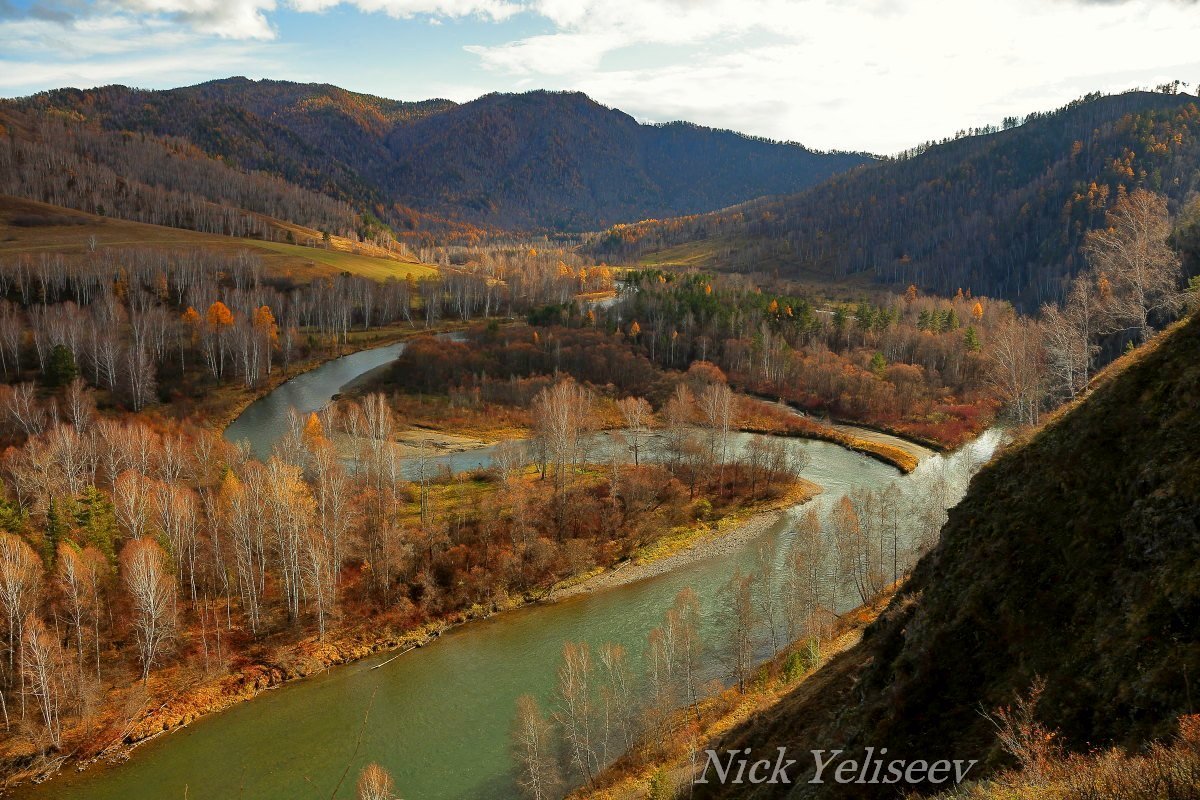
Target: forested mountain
1073 559
1001 213
539 160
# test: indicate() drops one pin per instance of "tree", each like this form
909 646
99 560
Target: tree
219 322
151 587
678 413
60 366
636 412
716 408
43 668
804 577
617 696
1017 364
575 711
80 404
20 585
1068 336
374 783
740 621
533 751
77 577
683 630
1134 254
562 413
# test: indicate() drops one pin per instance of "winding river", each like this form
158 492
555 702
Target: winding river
439 716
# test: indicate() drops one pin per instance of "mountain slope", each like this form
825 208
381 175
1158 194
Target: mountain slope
539 160
1074 557
1002 214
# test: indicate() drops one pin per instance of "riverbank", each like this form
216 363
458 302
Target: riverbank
705 545
781 419
226 403
177 696
666 764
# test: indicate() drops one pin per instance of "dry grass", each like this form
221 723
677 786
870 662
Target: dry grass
282 260
1166 771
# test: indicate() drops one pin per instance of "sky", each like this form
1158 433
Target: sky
872 75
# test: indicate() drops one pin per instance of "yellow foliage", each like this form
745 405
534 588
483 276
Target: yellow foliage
219 315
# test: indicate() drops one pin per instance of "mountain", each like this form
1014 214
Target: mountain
540 160
1074 558
1002 213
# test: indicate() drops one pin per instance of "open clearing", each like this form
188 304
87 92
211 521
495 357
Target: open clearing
52 229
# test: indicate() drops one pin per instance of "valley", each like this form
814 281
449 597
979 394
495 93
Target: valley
523 447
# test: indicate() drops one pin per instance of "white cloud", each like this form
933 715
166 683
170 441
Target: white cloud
234 19
250 19
402 9
857 74
870 74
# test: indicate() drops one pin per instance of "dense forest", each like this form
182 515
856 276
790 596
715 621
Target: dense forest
1000 212
541 161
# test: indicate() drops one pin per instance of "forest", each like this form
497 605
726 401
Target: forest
420 172
1003 213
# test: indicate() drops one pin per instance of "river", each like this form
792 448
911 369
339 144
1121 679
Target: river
439 716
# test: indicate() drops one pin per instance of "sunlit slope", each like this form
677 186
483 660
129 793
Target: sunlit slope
29 227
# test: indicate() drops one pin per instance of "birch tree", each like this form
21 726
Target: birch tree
147 575
533 751
1133 253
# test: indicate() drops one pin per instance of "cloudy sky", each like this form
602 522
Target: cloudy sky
876 75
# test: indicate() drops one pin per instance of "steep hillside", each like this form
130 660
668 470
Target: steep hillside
561 160
1074 557
1001 213
539 160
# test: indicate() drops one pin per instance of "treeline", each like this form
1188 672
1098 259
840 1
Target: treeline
126 320
540 272
912 363
1004 214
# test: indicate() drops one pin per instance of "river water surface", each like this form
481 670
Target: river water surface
439 716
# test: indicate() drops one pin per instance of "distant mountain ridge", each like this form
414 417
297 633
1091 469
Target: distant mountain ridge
1002 214
540 160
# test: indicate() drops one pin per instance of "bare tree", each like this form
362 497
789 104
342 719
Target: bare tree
20 584
562 415
1133 253
374 783
617 696
43 666
575 712
151 586
533 750
78 589
740 622
678 412
686 646
1017 366
24 409
716 408
636 412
